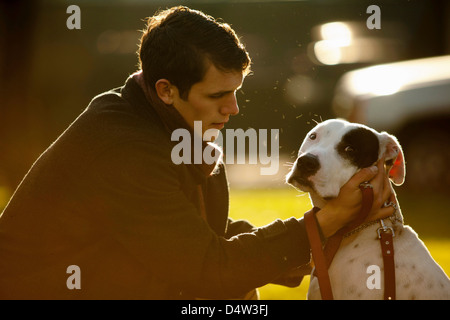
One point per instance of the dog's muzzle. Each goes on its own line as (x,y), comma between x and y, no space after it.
(305,166)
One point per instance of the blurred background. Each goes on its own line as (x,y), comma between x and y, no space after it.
(312,60)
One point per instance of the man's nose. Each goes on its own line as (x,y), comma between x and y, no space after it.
(230,107)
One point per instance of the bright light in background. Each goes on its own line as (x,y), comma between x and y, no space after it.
(379,80)
(338,33)
(403,90)
(327,52)
(390,78)
(335,35)
(349,42)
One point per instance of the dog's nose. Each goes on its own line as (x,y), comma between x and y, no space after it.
(308,164)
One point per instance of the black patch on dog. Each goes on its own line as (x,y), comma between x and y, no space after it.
(359,146)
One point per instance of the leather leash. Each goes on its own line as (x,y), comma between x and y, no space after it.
(323,257)
(320,262)
(386,234)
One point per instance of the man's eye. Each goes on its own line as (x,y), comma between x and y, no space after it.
(216,95)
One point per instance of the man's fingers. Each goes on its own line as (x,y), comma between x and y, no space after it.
(381,184)
(392,196)
(381,213)
(365,174)
(388,192)
(377,181)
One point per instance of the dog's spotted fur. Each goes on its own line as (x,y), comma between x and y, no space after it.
(341,149)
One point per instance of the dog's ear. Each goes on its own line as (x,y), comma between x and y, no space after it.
(395,159)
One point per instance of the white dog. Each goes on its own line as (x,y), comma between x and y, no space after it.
(330,155)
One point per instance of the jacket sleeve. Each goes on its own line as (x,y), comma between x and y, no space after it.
(235,227)
(140,191)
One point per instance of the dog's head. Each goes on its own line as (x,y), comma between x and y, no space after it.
(335,150)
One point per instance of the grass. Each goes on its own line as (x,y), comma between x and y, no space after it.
(428,215)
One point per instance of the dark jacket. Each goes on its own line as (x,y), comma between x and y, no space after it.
(106,197)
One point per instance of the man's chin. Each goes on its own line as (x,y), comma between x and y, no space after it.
(211,134)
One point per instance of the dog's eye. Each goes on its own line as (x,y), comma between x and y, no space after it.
(349,149)
(313,136)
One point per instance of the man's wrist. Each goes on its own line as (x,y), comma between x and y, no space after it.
(322,236)
(328,222)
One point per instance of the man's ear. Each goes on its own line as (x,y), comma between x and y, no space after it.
(164,90)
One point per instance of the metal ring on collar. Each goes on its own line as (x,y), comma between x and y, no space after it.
(390,204)
(366,185)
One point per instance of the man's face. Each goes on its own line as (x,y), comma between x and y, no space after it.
(212,100)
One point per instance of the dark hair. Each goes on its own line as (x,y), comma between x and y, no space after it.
(178,42)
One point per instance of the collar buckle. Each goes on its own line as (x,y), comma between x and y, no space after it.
(384,228)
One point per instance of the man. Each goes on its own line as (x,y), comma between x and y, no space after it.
(107,198)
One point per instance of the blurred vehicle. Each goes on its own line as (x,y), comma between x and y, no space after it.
(410,99)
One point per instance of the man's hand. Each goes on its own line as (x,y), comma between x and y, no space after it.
(342,210)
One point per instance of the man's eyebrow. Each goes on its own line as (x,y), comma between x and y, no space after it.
(223,92)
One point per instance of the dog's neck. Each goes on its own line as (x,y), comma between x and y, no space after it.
(319,202)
